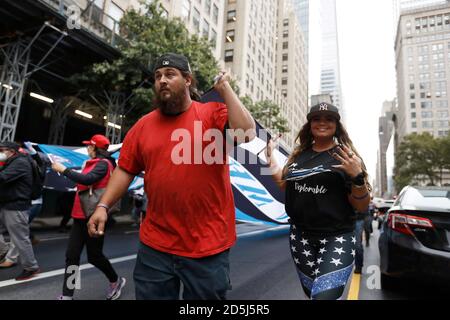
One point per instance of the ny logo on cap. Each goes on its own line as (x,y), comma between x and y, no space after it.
(323,107)
(166,62)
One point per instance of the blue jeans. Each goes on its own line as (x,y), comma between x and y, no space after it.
(359,258)
(158,276)
(34,211)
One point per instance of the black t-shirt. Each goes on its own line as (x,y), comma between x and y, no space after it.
(317,194)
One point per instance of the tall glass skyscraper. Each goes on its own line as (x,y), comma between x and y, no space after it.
(301,8)
(330,78)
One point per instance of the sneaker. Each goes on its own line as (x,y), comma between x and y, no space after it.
(27,274)
(115,289)
(7,264)
(62,297)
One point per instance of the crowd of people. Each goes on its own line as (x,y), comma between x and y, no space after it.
(192,224)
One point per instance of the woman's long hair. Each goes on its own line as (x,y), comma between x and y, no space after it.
(102,153)
(305,141)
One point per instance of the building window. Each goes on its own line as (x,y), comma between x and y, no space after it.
(229,55)
(115,13)
(442,114)
(413,115)
(426,105)
(215,14)
(285,34)
(284,92)
(413,105)
(442,104)
(213,38)
(284,81)
(427,124)
(286,22)
(230,36)
(284,69)
(196,20)
(442,124)
(427,114)
(207,6)
(285,45)
(186,10)
(205,29)
(285,57)
(231,16)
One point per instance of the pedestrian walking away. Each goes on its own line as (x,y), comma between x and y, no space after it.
(189,226)
(16,182)
(325,181)
(94,177)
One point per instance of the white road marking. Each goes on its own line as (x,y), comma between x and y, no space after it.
(87,266)
(59,272)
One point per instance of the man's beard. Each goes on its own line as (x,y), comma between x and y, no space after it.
(172,106)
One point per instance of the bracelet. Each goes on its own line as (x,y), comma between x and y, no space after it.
(102,205)
(360,198)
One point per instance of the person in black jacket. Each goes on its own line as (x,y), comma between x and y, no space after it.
(94,175)
(16,179)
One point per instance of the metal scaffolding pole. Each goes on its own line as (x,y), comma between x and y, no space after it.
(12,80)
(114,116)
(13,77)
(60,110)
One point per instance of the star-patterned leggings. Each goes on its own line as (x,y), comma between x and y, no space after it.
(324,264)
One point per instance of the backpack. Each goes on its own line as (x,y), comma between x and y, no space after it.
(38,174)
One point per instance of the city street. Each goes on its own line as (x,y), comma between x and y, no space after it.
(261,269)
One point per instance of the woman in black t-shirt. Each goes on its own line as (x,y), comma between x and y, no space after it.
(325,182)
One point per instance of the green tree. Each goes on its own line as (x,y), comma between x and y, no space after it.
(146,36)
(267,113)
(443,156)
(418,157)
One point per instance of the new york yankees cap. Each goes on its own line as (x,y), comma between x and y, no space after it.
(324,109)
(172,60)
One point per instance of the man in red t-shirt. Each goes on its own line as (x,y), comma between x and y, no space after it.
(190,222)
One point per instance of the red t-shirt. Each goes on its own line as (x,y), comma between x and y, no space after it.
(190,209)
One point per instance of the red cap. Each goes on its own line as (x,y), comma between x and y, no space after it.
(99,140)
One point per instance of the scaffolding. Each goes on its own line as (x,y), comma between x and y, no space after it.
(114,116)
(13,78)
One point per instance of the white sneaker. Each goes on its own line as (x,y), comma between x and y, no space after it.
(115,289)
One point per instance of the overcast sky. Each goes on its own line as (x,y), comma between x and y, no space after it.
(366,43)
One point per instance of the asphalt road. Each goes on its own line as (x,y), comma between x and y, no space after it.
(261,269)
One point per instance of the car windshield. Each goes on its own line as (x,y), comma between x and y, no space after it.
(434,193)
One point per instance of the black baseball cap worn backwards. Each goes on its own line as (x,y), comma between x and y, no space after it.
(173,60)
(324,109)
